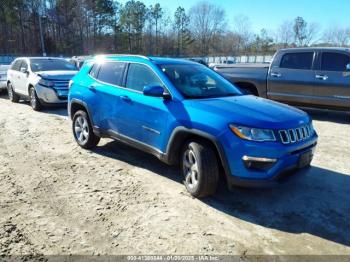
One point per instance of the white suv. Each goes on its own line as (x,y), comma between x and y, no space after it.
(42,80)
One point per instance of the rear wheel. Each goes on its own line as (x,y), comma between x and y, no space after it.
(13,97)
(83,132)
(34,101)
(200,169)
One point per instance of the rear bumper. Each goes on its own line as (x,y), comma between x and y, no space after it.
(3,84)
(49,96)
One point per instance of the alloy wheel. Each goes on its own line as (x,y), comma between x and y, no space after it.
(190,168)
(81,129)
(10,92)
(33,101)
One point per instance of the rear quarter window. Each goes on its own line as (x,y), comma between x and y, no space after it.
(111,72)
(301,60)
(94,70)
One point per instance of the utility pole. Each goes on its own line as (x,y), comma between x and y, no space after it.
(41,34)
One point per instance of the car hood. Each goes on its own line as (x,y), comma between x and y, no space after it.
(57,75)
(249,111)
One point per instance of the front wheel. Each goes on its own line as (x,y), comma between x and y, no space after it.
(200,169)
(34,101)
(83,132)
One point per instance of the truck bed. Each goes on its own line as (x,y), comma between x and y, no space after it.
(244,74)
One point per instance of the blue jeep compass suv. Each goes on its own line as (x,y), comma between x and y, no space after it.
(184,113)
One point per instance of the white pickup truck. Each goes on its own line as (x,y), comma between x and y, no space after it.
(42,80)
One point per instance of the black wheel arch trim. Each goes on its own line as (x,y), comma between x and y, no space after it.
(172,142)
(81,103)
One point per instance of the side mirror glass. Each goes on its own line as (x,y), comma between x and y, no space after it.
(154,90)
(24,70)
(347,67)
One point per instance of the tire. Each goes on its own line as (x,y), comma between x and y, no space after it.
(33,100)
(83,132)
(13,97)
(200,167)
(249,91)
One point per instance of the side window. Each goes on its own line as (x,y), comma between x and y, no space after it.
(24,65)
(140,76)
(16,65)
(111,73)
(94,70)
(297,60)
(334,62)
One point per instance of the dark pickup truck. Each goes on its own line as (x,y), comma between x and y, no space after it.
(315,77)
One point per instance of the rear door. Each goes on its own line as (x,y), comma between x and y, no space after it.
(292,78)
(103,95)
(333,80)
(22,78)
(14,74)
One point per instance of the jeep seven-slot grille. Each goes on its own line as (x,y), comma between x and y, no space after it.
(296,134)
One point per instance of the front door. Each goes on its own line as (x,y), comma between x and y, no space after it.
(293,79)
(142,118)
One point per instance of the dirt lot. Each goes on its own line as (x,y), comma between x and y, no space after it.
(56,198)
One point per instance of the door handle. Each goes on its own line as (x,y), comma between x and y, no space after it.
(125,99)
(322,77)
(92,88)
(276,74)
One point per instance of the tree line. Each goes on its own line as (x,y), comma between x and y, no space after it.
(80,27)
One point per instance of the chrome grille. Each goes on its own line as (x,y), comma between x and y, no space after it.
(61,84)
(294,135)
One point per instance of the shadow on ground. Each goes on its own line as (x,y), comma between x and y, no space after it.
(316,201)
(54,110)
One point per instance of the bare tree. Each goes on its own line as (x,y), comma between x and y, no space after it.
(312,34)
(304,33)
(285,33)
(207,20)
(242,28)
(337,36)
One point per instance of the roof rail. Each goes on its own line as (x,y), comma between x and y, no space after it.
(122,55)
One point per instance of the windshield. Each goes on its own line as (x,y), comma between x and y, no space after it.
(51,65)
(198,81)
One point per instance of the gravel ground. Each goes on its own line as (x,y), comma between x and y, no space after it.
(56,198)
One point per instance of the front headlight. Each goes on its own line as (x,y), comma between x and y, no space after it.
(46,83)
(70,84)
(253,134)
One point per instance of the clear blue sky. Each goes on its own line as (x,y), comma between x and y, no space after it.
(270,13)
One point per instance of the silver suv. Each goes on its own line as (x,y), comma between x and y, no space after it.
(42,80)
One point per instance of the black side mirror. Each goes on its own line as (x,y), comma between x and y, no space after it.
(155,91)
